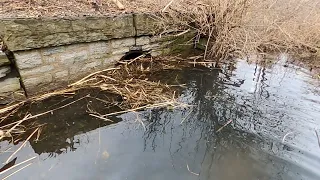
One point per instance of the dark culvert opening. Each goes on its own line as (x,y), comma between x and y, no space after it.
(133,54)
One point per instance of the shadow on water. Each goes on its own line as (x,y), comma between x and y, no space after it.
(273,111)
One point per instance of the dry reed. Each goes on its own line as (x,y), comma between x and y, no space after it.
(129,80)
(245,27)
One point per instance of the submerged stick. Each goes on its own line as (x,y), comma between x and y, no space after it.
(24,143)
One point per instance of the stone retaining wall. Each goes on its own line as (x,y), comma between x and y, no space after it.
(50,53)
(10,88)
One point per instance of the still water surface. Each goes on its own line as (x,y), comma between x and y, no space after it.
(274,113)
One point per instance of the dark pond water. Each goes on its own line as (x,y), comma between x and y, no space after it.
(274,111)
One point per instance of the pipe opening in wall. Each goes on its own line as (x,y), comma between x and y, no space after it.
(133,54)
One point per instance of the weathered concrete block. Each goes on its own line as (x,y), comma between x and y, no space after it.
(82,69)
(142,40)
(119,51)
(32,84)
(150,47)
(3,59)
(71,58)
(53,50)
(36,71)
(31,33)
(4,71)
(76,47)
(89,66)
(99,48)
(117,43)
(61,75)
(51,59)
(111,60)
(9,85)
(28,59)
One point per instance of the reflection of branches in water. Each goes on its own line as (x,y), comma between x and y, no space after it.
(216,100)
(209,95)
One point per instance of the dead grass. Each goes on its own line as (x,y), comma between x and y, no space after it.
(244,27)
(129,80)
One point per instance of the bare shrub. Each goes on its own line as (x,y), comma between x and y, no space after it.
(242,27)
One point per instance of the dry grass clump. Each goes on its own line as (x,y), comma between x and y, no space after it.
(243,27)
(129,80)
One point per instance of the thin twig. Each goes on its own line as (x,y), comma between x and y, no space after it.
(317,137)
(16,171)
(284,137)
(17,165)
(139,119)
(186,116)
(191,171)
(22,145)
(52,110)
(224,125)
(164,9)
(101,117)
(92,74)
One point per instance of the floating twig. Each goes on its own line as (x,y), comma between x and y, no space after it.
(284,137)
(191,171)
(24,143)
(224,126)
(17,165)
(16,171)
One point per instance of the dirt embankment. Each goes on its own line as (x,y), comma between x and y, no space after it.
(67,8)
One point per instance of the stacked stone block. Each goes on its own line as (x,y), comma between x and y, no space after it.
(9,85)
